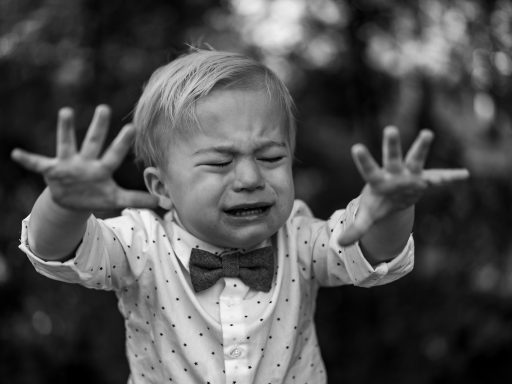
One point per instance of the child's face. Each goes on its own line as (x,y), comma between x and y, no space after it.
(231,184)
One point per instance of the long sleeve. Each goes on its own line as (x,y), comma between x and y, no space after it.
(323,259)
(112,253)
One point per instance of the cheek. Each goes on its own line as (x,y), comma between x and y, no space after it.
(282,182)
(202,191)
(282,185)
(197,210)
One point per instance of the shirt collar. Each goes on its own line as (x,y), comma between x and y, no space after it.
(183,241)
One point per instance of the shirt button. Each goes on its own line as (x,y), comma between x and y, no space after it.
(235,353)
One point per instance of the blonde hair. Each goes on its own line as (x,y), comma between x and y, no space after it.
(167,104)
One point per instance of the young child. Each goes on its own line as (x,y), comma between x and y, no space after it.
(223,288)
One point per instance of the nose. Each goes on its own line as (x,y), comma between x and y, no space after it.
(248,176)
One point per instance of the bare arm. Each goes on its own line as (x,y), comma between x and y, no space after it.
(54,232)
(78,183)
(385,216)
(388,236)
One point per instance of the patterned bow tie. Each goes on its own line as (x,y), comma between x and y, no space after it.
(254,268)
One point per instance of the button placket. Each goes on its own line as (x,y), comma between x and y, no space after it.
(233,329)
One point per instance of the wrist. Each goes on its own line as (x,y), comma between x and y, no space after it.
(404,216)
(55,208)
(388,236)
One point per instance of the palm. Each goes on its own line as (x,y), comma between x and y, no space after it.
(81,184)
(82,180)
(398,184)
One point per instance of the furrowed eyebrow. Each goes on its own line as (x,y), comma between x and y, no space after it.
(272,144)
(230,149)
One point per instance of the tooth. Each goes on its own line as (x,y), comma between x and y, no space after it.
(248,212)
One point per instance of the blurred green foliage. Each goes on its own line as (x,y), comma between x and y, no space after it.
(353,67)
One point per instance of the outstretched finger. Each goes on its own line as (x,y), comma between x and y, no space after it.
(417,154)
(66,141)
(117,151)
(365,163)
(31,161)
(391,149)
(136,199)
(437,177)
(355,231)
(96,133)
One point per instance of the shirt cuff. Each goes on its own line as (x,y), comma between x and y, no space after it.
(360,271)
(364,274)
(58,270)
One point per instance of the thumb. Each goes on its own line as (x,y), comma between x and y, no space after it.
(437,177)
(32,161)
(136,199)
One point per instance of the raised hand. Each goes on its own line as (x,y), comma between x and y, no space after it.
(395,186)
(82,180)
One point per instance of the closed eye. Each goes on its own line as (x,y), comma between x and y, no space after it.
(219,165)
(273,159)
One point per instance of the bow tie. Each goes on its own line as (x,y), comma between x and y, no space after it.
(254,268)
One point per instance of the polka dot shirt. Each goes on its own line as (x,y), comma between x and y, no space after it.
(228,333)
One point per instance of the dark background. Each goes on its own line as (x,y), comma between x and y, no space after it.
(353,67)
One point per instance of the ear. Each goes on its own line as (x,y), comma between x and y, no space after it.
(156,186)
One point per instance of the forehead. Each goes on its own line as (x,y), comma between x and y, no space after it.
(239,116)
(238,104)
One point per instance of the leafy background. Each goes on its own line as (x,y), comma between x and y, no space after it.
(353,67)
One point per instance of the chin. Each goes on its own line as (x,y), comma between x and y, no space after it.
(252,240)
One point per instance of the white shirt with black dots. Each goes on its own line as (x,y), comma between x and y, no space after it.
(228,333)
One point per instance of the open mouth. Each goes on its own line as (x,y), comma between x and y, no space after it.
(248,211)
